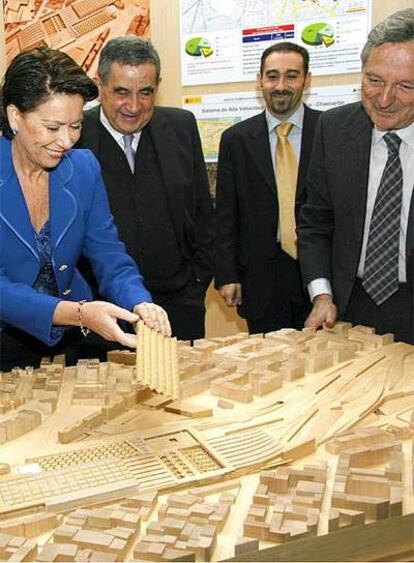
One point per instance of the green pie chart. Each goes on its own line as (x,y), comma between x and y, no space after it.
(318,34)
(197,47)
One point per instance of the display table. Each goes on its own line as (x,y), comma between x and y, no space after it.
(296,446)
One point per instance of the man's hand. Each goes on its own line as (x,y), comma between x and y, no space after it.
(231,293)
(324,311)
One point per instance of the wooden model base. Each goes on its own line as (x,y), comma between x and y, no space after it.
(295,446)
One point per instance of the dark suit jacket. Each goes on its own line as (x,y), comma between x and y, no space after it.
(180,167)
(332,221)
(247,209)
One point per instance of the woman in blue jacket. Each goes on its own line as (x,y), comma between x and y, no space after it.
(53,209)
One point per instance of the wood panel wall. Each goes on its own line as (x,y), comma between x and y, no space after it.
(2,47)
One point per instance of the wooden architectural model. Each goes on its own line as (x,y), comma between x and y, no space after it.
(157,361)
(293,445)
(79,27)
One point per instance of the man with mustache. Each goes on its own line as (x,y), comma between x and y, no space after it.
(156,179)
(356,234)
(262,168)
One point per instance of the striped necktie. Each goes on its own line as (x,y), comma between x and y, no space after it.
(380,279)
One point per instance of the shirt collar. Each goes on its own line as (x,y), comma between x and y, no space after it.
(296,118)
(115,134)
(406,134)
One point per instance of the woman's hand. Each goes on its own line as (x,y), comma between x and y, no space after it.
(100,317)
(154,316)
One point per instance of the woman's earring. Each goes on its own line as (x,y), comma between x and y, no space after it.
(14,131)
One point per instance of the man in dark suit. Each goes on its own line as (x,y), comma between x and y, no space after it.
(356,230)
(254,269)
(155,175)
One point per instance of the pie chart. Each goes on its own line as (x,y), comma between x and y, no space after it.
(318,34)
(198,47)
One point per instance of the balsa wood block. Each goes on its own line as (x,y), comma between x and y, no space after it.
(26,552)
(65,533)
(175,375)
(183,500)
(185,408)
(4,468)
(98,556)
(172,554)
(214,488)
(31,525)
(222,404)
(57,552)
(199,383)
(266,382)
(244,545)
(298,451)
(124,357)
(113,410)
(157,401)
(148,500)
(71,433)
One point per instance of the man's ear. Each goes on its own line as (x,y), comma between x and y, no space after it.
(98,83)
(259,82)
(308,81)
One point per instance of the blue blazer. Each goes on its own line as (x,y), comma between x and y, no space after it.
(81,224)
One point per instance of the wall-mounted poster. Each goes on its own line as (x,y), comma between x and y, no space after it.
(78,27)
(217,112)
(222,40)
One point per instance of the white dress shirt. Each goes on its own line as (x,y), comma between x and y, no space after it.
(116,134)
(378,159)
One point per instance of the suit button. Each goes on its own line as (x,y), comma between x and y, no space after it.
(66,291)
(63,267)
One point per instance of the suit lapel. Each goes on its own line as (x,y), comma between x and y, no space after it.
(13,209)
(356,159)
(95,136)
(257,145)
(114,166)
(62,202)
(13,206)
(409,247)
(410,228)
(15,214)
(90,133)
(309,121)
(165,145)
(409,265)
